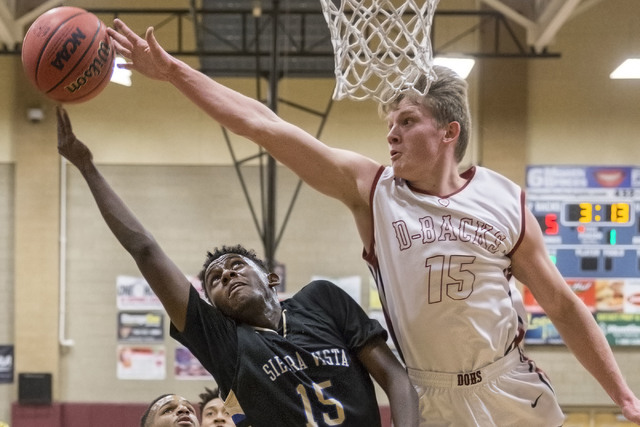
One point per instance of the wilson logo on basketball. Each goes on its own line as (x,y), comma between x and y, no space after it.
(94,69)
(68,48)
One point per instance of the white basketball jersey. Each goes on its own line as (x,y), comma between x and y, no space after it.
(443,270)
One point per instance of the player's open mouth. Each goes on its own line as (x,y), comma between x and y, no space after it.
(233,287)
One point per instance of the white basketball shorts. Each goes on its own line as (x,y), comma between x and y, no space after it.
(509,392)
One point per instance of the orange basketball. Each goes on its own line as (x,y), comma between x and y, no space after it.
(68,55)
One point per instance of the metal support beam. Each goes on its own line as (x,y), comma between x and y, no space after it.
(269,237)
(554,16)
(9,34)
(510,13)
(541,31)
(228,46)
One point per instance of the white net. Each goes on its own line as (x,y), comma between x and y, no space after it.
(380,49)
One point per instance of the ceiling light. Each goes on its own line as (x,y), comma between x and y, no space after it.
(629,69)
(121,76)
(462,66)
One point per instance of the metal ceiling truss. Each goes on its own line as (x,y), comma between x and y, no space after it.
(237,41)
(551,16)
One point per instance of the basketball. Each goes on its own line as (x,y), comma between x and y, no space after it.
(67,54)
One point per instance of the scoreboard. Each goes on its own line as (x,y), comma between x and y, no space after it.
(590,219)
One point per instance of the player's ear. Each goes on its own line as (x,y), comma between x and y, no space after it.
(274,280)
(452,131)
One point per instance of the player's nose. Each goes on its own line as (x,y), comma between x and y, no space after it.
(392,136)
(227,275)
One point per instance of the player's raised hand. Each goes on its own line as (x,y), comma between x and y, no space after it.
(69,146)
(145,55)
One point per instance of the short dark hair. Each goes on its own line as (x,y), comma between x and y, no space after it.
(143,420)
(224,250)
(207,397)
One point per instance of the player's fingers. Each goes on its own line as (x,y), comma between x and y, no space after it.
(63,118)
(64,126)
(59,117)
(151,39)
(127,66)
(121,49)
(156,50)
(66,122)
(122,28)
(117,37)
(122,45)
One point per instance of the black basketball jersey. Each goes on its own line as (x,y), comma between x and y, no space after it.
(304,374)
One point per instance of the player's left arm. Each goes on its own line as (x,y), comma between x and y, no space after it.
(387,371)
(532,266)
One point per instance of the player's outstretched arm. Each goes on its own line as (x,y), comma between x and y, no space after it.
(344,175)
(167,281)
(387,371)
(571,317)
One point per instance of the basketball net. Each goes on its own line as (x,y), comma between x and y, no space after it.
(380,49)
